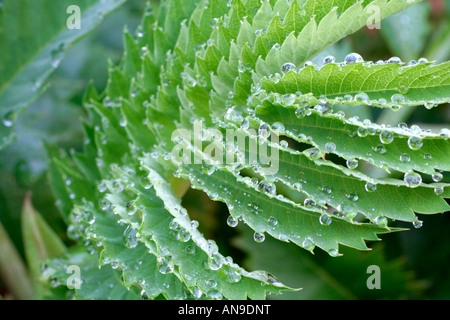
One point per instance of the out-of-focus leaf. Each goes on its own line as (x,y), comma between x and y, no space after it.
(12,269)
(53,119)
(428,254)
(40,241)
(438,47)
(24,163)
(35,37)
(407,32)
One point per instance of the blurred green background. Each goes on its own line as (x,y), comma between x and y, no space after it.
(413,264)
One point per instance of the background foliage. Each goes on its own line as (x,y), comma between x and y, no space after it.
(413,263)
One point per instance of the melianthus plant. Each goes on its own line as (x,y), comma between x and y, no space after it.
(242,66)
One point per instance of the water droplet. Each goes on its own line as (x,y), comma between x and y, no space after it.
(415,143)
(363,132)
(330,147)
(165,266)
(348,212)
(268,188)
(123,122)
(437,177)
(211,283)
(405,158)
(422,60)
(129,237)
(144,295)
(145,183)
(325,220)
(397,98)
(288,99)
(232,276)
(197,293)
(326,189)
(333,252)
(214,23)
(412,179)
(300,113)
(57,55)
(381,149)
(386,137)
(329,59)
(245,124)
(259,237)
(104,204)
(54,282)
(278,127)
(131,207)
(9,119)
(438,191)
(353,58)
(308,244)
(183,235)
(194,224)
(232,222)
(309,203)
(264,131)
(429,105)
(370,187)
(403,89)
(118,186)
(209,170)
(313,153)
(352,164)
(214,295)
(288,67)
(418,224)
(215,262)
(190,249)
(272,221)
(102,187)
(259,33)
(353,196)
(394,60)
(362,97)
(380,221)
(415,129)
(444,132)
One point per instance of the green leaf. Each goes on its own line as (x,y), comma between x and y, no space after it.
(40,242)
(225,67)
(280,217)
(97,283)
(354,139)
(381,85)
(322,25)
(36,38)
